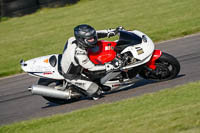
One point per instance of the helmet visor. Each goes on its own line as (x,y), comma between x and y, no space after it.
(91,42)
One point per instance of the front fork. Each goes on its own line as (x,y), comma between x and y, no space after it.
(156,54)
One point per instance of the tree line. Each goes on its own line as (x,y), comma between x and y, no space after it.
(13,8)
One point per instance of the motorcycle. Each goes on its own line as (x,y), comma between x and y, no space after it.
(136,52)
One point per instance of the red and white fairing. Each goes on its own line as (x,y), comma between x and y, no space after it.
(144,52)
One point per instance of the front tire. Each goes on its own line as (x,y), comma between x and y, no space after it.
(167,67)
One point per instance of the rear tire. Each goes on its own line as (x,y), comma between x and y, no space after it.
(167,67)
(52,83)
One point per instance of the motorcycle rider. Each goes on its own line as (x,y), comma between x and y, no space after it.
(75,58)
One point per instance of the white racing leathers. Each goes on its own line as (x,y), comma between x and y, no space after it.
(73,61)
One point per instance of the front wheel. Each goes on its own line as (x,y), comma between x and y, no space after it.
(167,67)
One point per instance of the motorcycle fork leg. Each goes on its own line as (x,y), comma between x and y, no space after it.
(156,54)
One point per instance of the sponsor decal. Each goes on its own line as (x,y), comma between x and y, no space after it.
(107,48)
(139,50)
(47,73)
(116,85)
(46,60)
(80,53)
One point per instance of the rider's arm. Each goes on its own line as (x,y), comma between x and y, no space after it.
(105,33)
(109,32)
(82,59)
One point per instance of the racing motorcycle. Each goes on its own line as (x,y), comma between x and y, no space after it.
(136,52)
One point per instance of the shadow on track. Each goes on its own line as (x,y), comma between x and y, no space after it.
(140,83)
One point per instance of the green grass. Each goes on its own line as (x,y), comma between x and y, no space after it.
(46,31)
(175,110)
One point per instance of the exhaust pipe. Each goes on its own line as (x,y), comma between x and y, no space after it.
(49,92)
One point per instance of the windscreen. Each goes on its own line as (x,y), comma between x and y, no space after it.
(129,38)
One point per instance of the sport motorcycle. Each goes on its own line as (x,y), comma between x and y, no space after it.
(135,52)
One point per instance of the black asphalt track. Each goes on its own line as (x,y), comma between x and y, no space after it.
(17,103)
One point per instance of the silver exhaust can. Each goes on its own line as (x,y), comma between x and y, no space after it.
(49,92)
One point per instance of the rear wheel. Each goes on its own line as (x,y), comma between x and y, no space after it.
(167,67)
(53,83)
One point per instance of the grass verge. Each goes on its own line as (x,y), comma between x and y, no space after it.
(168,111)
(46,31)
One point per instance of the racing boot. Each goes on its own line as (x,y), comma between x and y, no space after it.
(105,88)
(97,95)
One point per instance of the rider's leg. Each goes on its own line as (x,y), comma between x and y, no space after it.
(92,89)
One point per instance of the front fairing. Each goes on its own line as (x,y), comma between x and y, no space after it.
(142,52)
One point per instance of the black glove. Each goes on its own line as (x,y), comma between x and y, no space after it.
(118,29)
(115,64)
(111,33)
